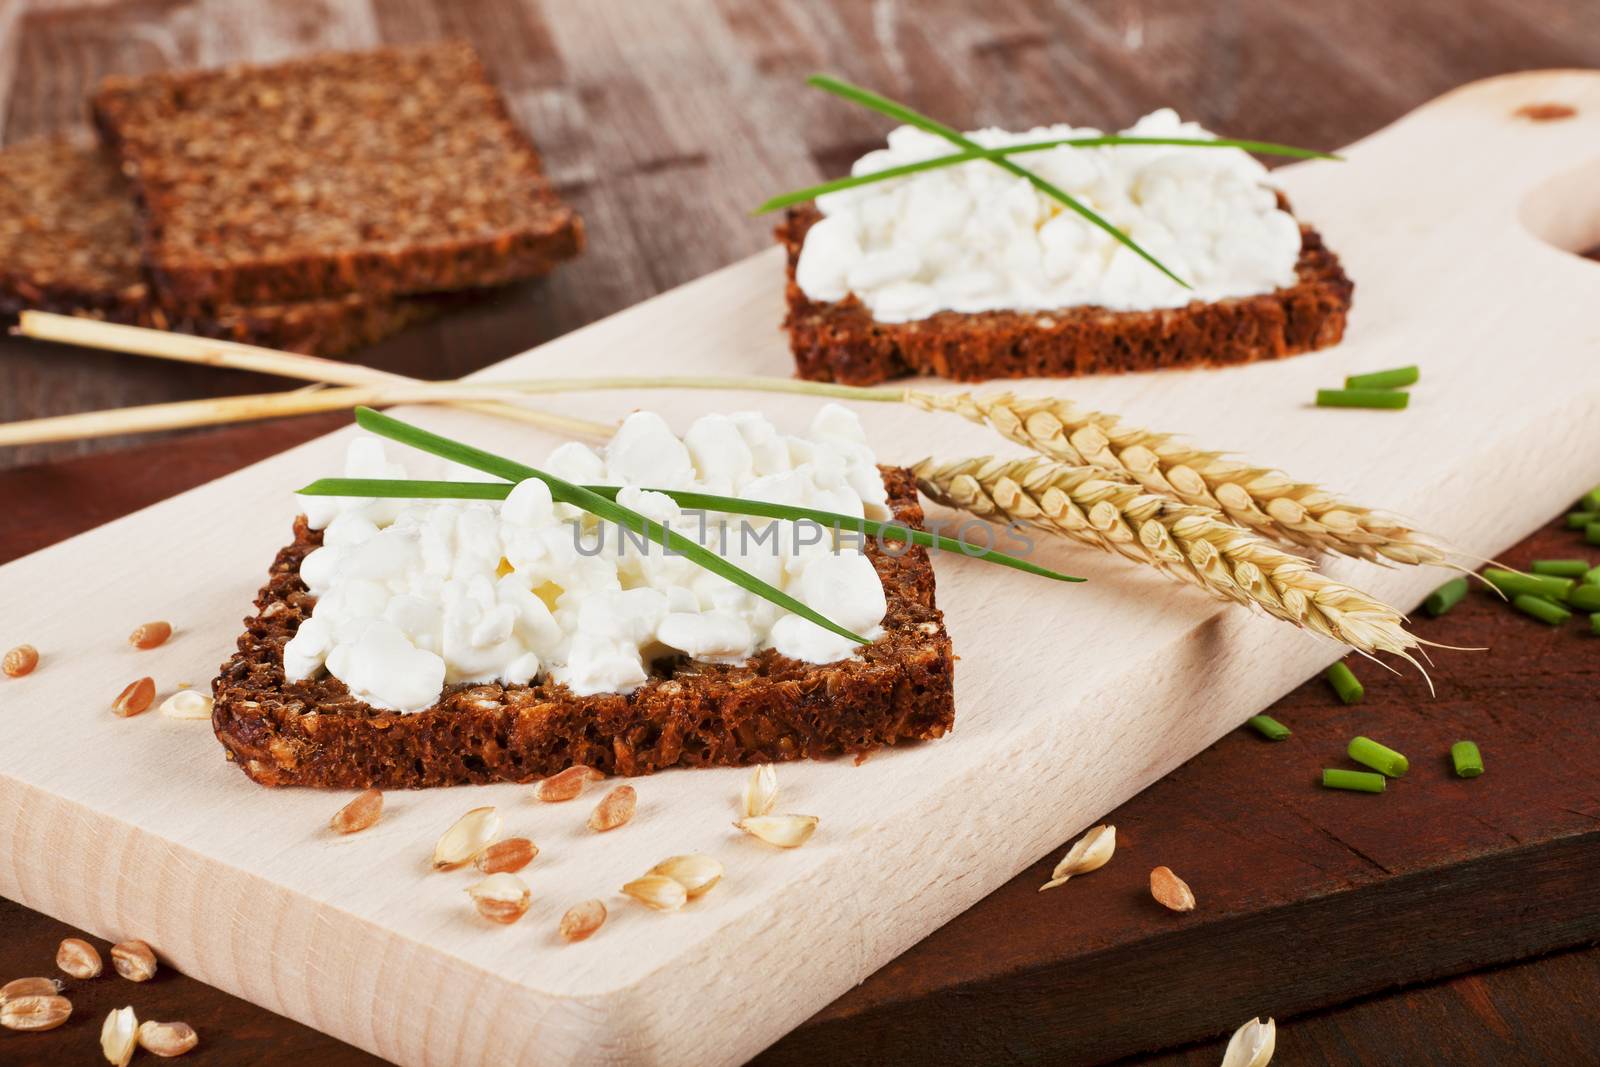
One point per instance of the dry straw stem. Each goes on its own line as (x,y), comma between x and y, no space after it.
(1257,498)
(1187,542)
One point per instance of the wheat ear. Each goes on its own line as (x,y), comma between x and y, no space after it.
(1257,498)
(1188,542)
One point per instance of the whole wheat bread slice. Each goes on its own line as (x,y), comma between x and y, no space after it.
(688,714)
(69,244)
(391,171)
(842,342)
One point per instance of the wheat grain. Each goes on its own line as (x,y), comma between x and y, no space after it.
(1190,543)
(1257,498)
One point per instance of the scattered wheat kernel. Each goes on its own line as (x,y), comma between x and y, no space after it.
(1089,853)
(167,1039)
(20,660)
(150,635)
(695,872)
(581,920)
(1252,1045)
(501,898)
(614,809)
(359,814)
(187,704)
(1171,891)
(79,958)
(18,988)
(133,960)
(35,1013)
(135,698)
(471,834)
(785,831)
(761,790)
(503,857)
(568,784)
(119,1036)
(657,891)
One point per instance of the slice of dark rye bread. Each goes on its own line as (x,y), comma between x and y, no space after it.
(392,171)
(69,244)
(841,342)
(690,714)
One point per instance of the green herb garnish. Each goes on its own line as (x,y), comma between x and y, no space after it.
(1391,399)
(1466,758)
(1345,683)
(1445,597)
(1561,568)
(1397,378)
(566,492)
(1577,520)
(1513,583)
(800,196)
(1268,727)
(1381,758)
(1545,610)
(423,489)
(895,110)
(1357,781)
(1585,597)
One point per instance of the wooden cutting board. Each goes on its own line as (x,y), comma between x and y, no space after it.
(1455,223)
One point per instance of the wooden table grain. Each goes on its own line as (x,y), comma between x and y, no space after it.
(664,121)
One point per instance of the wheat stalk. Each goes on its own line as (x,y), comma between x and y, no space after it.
(1258,498)
(1185,541)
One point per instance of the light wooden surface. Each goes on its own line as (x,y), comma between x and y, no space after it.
(1069,700)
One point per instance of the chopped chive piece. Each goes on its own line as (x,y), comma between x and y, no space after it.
(1546,611)
(1359,781)
(1268,727)
(1445,597)
(1467,759)
(1585,598)
(1591,533)
(1561,568)
(1345,683)
(1362,398)
(1594,624)
(1577,520)
(1590,501)
(1592,577)
(1384,379)
(1514,583)
(1381,758)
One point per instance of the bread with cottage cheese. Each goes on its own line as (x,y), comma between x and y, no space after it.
(840,341)
(688,714)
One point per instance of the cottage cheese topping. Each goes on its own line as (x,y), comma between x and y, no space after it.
(973,238)
(414,596)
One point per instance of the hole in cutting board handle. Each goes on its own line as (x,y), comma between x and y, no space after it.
(1565,211)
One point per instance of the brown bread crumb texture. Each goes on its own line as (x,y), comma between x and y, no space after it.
(841,342)
(391,171)
(691,714)
(69,244)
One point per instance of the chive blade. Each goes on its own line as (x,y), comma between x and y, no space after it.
(1590,500)
(598,506)
(1268,727)
(1345,683)
(1386,399)
(1560,568)
(1356,781)
(1398,378)
(1466,759)
(1514,583)
(1381,758)
(1546,611)
(1577,520)
(1445,597)
(444,490)
(1585,597)
(800,196)
(885,106)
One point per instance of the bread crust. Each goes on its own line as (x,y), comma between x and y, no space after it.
(392,171)
(314,733)
(69,244)
(842,342)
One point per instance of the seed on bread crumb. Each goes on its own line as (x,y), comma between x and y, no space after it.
(150,635)
(136,698)
(20,660)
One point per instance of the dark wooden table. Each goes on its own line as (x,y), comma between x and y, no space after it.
(664,123)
